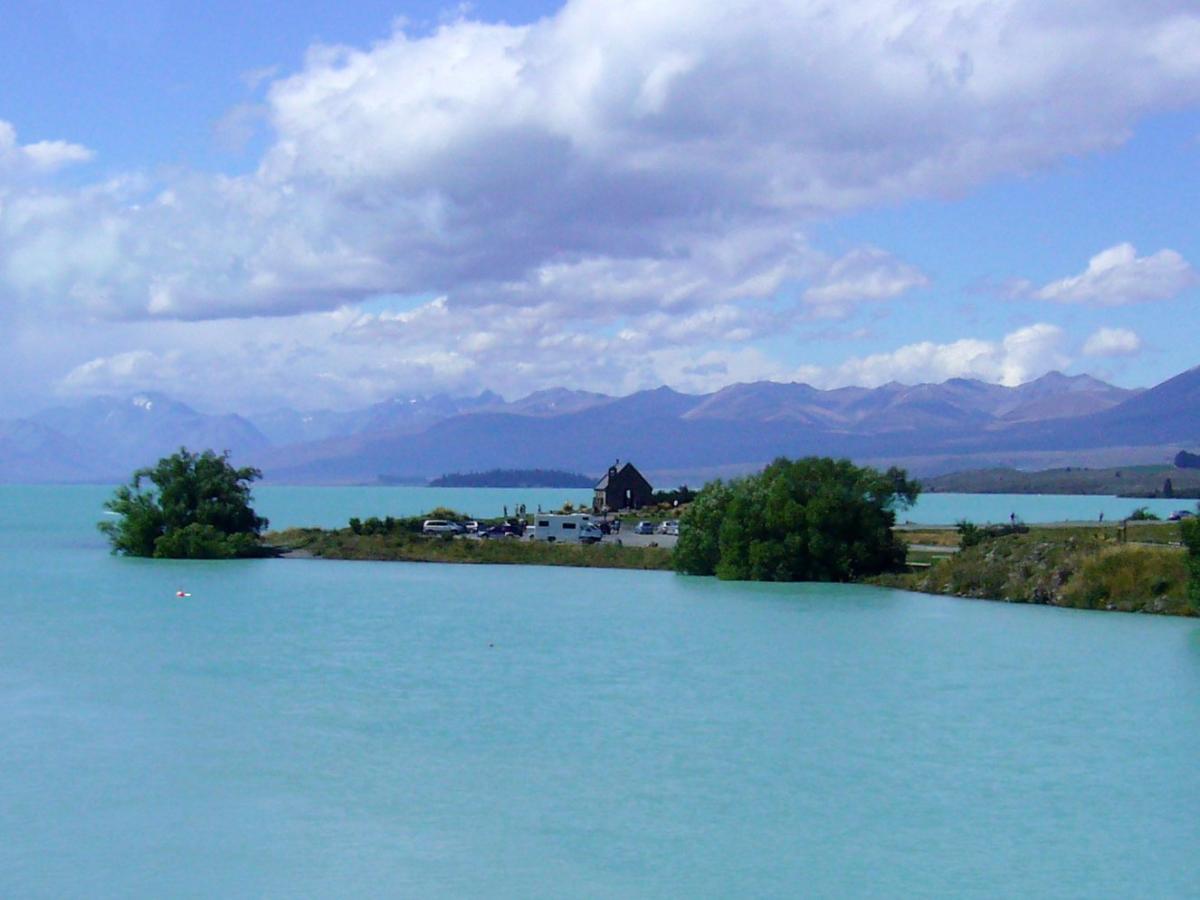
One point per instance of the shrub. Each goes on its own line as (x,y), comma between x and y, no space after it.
(1130,579)
(969,534)
(972,535)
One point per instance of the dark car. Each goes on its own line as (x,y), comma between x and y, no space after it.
(644,527)
(508,529)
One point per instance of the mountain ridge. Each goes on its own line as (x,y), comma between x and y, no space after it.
(740,426)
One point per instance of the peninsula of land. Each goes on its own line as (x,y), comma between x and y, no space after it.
(1140,567)
(402,545)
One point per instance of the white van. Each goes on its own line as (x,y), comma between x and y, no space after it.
(578,529)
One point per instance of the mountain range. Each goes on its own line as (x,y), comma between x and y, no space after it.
(930,428)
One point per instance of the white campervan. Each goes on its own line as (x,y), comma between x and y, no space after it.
(578,528)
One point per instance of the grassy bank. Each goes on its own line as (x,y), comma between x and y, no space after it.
(398,546)
(1080,568)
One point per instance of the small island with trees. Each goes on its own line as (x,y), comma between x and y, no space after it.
(514,478)
(188,506)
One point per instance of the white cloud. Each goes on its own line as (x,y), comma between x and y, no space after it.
(1018,357)
(346,358)
(132,368)
(617,192)
(238,126)
(38,158)
(1118,276)
(620,142)
(1112,342)
(864,274)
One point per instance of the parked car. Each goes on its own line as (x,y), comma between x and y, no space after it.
(471,527)
(644,527)
(1180,514)
(502,531)
(669,527)
(440,526)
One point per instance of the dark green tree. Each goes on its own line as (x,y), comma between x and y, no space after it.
(813,519)
(1185,460)
(698,550)
(1190,530)
(188,506)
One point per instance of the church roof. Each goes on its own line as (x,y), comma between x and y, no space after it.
(613,471)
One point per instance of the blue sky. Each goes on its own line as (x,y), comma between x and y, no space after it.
(325,205)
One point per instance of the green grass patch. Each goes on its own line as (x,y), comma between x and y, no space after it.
(1130,579)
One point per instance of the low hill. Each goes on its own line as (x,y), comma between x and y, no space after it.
(1128,481)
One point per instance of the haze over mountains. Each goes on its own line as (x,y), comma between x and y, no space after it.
(931,428)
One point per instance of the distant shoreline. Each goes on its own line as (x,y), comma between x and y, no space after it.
(1164,482)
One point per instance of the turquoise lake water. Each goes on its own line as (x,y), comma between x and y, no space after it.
(325,729)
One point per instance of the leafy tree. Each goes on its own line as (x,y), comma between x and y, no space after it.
(813,519)
(1190,530)
(189,505)
(698,550)
(1185,460)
